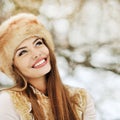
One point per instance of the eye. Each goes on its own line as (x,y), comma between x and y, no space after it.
(22,52)
(38,42)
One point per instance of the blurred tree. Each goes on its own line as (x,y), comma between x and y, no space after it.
(31,6)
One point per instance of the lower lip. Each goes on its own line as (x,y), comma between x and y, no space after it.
(41,65)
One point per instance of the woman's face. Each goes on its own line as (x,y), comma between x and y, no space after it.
(32,58)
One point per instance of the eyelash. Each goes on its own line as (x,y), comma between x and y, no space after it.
(39,42)
(22,52)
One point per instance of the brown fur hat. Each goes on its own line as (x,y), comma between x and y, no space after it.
(13,31)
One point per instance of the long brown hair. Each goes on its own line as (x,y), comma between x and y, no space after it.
(57,93)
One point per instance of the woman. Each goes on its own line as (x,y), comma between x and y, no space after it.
(27,57)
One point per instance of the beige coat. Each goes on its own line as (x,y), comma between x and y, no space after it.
(14,106)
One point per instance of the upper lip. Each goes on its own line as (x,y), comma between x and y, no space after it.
(37,61)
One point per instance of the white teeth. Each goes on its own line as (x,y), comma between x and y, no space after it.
(39,63)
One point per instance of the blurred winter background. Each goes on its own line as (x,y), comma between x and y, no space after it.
(87,39)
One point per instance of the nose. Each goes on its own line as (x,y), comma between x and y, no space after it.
(35,54)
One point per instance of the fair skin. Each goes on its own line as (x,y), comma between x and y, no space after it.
(33,61)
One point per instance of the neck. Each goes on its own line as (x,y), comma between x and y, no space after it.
(39,83)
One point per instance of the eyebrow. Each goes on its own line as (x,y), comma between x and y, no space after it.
(20,49)
(36,39)
(26,47)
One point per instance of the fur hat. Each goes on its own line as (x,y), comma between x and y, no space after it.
(12,32)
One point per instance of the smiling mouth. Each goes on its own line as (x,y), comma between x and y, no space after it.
(40,63)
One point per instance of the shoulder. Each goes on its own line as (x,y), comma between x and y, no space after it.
(7,110)
(90,112)
(82,102)
(21,104)
(5,98)
(76,90)
(78,96)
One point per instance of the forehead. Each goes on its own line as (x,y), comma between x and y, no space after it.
(27,41)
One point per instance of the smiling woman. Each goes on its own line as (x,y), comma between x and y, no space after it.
(27,57)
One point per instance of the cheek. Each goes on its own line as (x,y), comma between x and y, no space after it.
(20,64)
(46,50)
